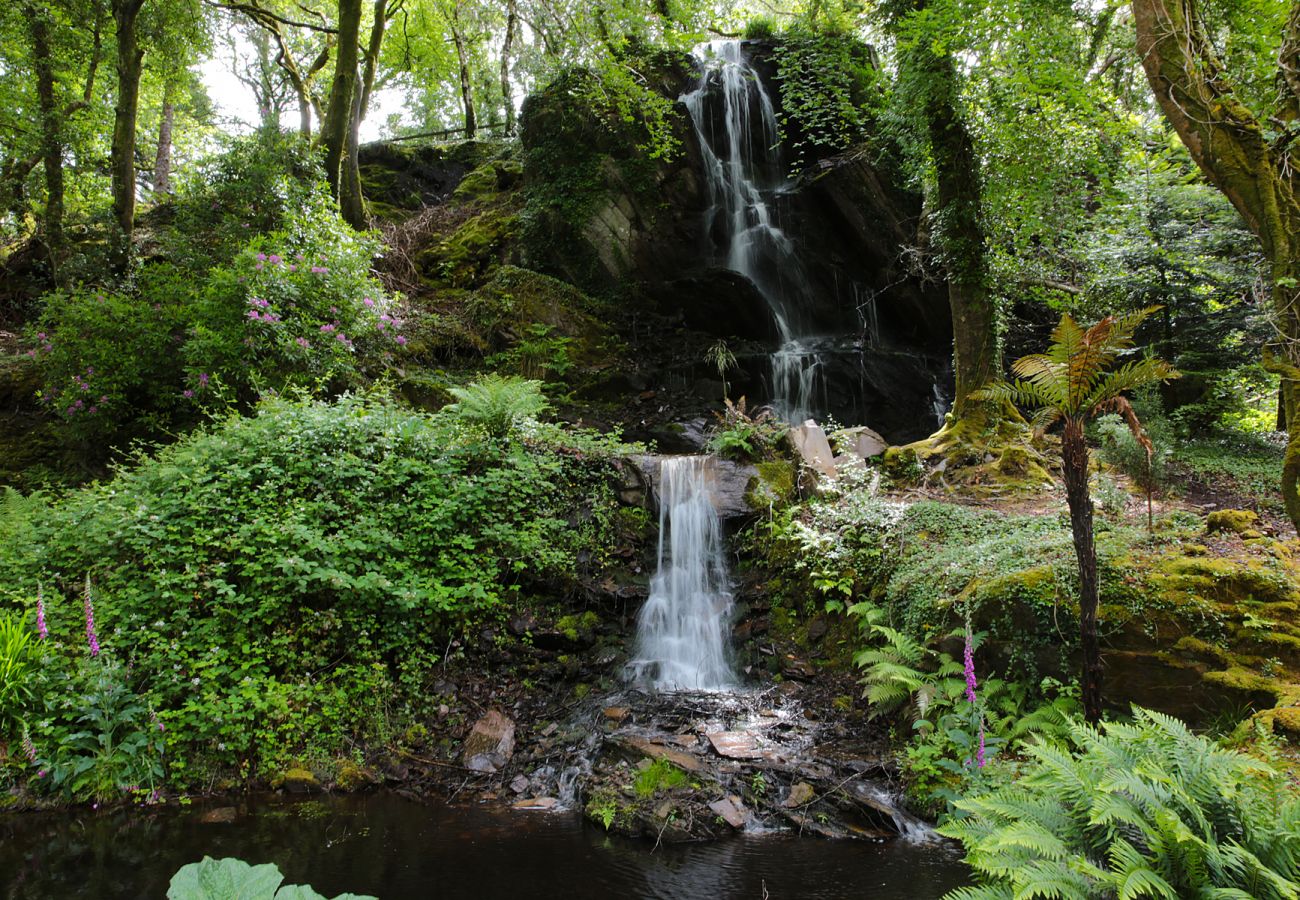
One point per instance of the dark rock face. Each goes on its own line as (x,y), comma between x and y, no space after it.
(887,332)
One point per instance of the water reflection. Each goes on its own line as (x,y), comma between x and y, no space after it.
(392,848)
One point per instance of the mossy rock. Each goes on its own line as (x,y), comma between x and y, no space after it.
(773,486)
(352,777)
(1286,722)
(298,780)
(400,177)
(473,250)
(902,465)
(1233,521)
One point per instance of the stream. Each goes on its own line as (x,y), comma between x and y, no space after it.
(384,845)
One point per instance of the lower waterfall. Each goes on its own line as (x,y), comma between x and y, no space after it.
(682,629)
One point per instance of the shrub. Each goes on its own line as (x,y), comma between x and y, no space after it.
(281,582)
(17,664)
(297,307)
(498,404)
(1146,809)
(760,28)
(741,436)
(1122,450)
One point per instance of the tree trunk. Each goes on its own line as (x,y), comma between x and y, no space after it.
(338,117)
(507,44)
(1074,456)
(51,141)
(129,63)
(466,87)
(976,352)
(351,203)
(1232,148)
(162,164)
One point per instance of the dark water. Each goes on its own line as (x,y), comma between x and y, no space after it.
(391,848)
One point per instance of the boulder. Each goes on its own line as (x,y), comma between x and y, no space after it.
(732,809)
(814,448)
(861,441)
(801,794)
(493,735)
(728,482)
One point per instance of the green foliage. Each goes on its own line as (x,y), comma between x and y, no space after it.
(831,92)
(498,404)
(741,436)
(281,582)
(1146,809)
(95,736)
(109,360)
(660,775)
(234,879)
(253,186)
(1122,450)
(1244,463)
(18,661)
(760,28)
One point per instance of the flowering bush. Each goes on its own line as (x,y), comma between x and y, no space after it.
(296,307)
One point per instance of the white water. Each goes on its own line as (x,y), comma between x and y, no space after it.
(742,167)
(682,628)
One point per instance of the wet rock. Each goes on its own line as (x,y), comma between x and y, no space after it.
(494,733)
(800,794)
(728,482)
(645,747)
(222,815)
(520,784)
(615,713)
(817,628)
(536,803)
(740,745)
(732,810)
(814,448)
(486,763)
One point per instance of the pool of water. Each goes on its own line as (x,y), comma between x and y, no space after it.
(392,848)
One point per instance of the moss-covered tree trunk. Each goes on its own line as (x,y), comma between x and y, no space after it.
(1258,175)
(130,60)
(1074,457)
(38,21)
(932,76)
(507,46)
(162,161)
(466,84)
(338,115)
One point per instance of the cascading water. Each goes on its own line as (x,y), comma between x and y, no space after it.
(681,629)
(735,121)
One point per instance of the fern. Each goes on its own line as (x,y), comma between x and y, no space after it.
(499,405)
(1141,810)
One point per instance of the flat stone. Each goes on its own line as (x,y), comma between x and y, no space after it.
(679,758)
(800,794)
(493,733)
(519,785)
(664,810)
(732,809)
(616,713)
(536,803)
(739,745)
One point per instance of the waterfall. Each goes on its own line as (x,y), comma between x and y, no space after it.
(742,167)
(681,629)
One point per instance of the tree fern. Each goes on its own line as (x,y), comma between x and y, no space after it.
(497,404)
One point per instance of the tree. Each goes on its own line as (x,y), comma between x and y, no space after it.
(130,59)
(1250,154)
(338,116)
(1073,382)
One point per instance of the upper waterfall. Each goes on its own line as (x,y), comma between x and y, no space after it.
(682,629)
(735,121)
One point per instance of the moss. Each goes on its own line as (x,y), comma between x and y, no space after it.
(576,626)
(661,775)
(470,253)
(1233,521)
(1286,722)
(774,485)
(902,465)
(352,777)
(1246,682)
